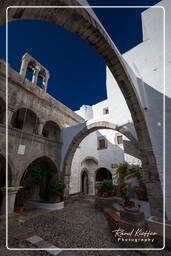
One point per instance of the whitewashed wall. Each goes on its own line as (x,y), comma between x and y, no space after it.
(146,61)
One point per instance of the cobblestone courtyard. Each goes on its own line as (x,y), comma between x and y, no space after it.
(79,224)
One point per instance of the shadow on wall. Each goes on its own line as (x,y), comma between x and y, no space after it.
(153,101)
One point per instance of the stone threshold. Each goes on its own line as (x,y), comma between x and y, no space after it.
(39,242)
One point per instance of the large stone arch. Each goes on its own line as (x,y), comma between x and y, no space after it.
(85,132)
(32,159)
(81,22)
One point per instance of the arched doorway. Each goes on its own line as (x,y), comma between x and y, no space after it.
(25,119)
(36,178)
(84,182)
(103,174)
(51,130)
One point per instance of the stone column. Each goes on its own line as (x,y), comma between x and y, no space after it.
(10,114)
(66,191)
(40,127)
(12,191)
(4,117)
(154,191)
(24,65)
(45,81)
(92,182)
(35,76)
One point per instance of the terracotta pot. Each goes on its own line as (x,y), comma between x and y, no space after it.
(99,194)
(141,193)
(19,209)
(129,204)
(105,194)
(54,199)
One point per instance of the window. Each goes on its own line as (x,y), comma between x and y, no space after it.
(105,111)
(119,139)
(102,143)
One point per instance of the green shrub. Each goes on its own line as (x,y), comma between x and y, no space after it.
(99,186)
(56,187)
(104,186)
(38,171)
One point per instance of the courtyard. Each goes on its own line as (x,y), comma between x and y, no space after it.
(78,225)
(84,168)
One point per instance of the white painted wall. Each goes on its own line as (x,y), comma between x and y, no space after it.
(145,64)
(146,60)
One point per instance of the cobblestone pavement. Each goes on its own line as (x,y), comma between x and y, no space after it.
(78,225)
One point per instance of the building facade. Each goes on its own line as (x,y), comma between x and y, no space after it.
(134,83)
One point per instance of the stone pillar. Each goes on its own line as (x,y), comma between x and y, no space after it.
(10,114)
(4,117)
(66,191)
(24,65)
(154,191)
(45,81)
(92,182)
(35,76)
(12,191)
(40,127)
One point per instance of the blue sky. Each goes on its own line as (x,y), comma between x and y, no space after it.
(77,71)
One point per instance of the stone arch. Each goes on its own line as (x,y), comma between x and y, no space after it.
(11,168)
(86,131)
(25,119)
(34,158)
(89,158)
(81,22)
(36,177)
(102,174)
(52,130)
(3,177)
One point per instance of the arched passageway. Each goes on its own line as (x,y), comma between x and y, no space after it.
(3,183)
(85,132)
(84,182)
(2,177)
(36,178)
(103,174)
(81,22)
(2,110)
(25,119)
(51,130)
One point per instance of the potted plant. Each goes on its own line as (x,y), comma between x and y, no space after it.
(107,188)
(19,203)
(55,189)
(99,188)
(141,192)
(104,188)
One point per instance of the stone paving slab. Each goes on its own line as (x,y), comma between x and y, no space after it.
(34,239)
